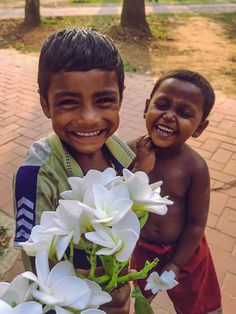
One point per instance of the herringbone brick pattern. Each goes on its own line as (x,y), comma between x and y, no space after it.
(22,122)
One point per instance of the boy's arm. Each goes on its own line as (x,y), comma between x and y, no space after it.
(145,154)
(197,204)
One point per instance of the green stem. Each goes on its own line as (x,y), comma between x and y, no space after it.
(115,272)
(71,251)
(52,251)
(93,262)
(102,280)
(138,274)
(65,257)
(85,245)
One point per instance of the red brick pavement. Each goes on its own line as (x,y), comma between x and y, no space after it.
(22,122)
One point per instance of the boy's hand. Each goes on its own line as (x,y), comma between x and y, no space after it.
(145,155)
(120,303)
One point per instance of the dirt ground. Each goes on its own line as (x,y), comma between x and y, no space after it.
(196,43)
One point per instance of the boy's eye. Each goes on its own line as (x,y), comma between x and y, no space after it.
(186,114)
(162,105)
(67,102)
(105,101)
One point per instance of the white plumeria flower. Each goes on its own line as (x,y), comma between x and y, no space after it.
(81,185)
(98,296)
(23,308)
(65,226)
(38,241)
(16,292)
(60,286)
(119,240)
(164,282)
(110,206)
(145,197)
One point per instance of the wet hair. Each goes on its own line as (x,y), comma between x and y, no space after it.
(78,49)
(195,79)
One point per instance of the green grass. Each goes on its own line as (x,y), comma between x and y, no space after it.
(228,22)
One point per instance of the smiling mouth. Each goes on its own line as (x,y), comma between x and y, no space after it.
(88,134)
(164,130)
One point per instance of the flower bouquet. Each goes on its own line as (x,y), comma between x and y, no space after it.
(102,215)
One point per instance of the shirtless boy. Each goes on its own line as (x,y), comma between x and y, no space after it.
(177,110)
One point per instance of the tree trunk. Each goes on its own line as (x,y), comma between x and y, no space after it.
(32,12)
(133,15)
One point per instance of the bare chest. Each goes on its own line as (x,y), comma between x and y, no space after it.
(176,177)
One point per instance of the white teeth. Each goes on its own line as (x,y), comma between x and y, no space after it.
(95,133)
(165,129)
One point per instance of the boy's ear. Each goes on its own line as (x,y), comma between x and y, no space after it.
(200,128)
(45,107)
(146,107)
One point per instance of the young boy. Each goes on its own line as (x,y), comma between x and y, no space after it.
(81,83)
(177,109)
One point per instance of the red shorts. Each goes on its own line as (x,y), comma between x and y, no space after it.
(198,291)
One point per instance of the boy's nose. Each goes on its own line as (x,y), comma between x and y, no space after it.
(169,116)
(88,116)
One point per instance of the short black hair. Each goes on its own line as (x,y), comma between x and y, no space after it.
(194,78)
(78,49)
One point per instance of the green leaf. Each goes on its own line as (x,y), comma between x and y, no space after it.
(141,304)
(143,219)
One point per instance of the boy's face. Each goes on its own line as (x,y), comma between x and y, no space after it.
(175,113)
(84,108)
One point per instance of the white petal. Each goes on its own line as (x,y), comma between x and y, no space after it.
(96,238)
(98,296)
(72,207)
(122,207)
(103,231)
(130,221)
(16,291)
(42,267)
(60,270)
(106,251)
(152,206)
(109,173)
(67,195)
(77,292)
(75,182)
(116,193)
(62,244)
(46,298)
(5,308)
(3,287)
(47,218)
(138,188)
(93,311)
(156,185)
(129,240)
(60,310)
(99,192)
(28,307)
(31,276)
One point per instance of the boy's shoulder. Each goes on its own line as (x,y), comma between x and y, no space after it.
(193,160)
(37,153)
(40,150)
